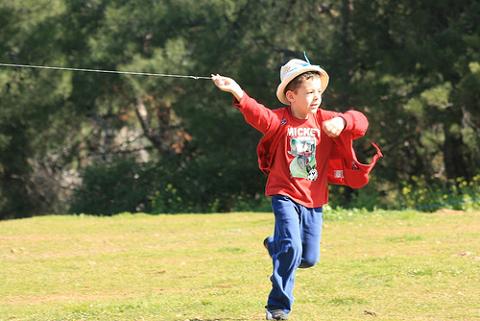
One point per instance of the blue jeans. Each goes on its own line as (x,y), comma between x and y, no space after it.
(295,244)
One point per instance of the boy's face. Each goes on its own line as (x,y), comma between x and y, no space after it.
(306,98)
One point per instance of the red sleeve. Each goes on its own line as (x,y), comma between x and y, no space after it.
(255,114)
(357,123)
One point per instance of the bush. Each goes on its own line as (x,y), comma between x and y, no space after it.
(419,193)
(119,186)
(201,187)
(431,195)
(167,186)
(369,197)
(172,186)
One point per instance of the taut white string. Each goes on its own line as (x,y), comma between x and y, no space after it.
(105,71)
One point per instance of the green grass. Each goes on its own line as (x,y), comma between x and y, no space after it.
(375,266)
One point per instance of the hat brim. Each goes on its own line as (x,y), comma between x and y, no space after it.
(281,88)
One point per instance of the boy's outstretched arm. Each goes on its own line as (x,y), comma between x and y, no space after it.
(255,114)
(228,85)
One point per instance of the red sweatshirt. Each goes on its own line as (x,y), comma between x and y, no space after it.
(295,153)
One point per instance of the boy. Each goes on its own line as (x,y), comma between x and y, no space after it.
(295,150)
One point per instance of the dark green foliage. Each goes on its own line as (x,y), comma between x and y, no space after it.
(119,186)
(203,185)
(123,185)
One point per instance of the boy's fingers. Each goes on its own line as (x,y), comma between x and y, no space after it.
(217,79)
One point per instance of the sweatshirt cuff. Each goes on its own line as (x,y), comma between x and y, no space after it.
(357,123)
(240,103)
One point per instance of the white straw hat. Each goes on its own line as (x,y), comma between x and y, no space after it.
(292,69)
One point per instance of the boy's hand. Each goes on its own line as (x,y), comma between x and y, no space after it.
(334,127)
(228,85)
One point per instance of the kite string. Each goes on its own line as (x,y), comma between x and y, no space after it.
(104,71)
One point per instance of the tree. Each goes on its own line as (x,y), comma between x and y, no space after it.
(412,67)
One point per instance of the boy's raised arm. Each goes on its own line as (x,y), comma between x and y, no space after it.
(255,114)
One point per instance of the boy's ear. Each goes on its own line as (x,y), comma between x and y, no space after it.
(290,96)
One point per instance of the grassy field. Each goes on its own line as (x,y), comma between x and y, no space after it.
(377,266)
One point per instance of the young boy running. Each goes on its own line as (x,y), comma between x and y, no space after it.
(295,150)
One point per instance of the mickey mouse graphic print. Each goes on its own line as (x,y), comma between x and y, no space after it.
(303,147)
